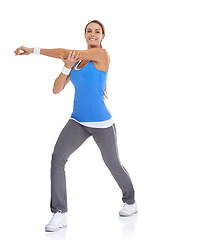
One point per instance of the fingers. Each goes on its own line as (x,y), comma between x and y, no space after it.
(62,58)
(70,54)
(73,52)
(76,57)
(18,51)
(73,55)
(72,58)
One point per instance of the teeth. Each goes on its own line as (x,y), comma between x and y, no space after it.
(92,39)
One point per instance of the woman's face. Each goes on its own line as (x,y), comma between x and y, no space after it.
(94,35)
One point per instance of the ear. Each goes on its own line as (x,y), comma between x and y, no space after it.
(103,36)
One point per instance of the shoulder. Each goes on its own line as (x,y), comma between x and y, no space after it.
(104,60)
(108,57)
(105,55)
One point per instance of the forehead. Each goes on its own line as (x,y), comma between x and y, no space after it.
(94,26)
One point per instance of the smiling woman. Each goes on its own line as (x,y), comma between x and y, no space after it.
(97,31)
(87,70)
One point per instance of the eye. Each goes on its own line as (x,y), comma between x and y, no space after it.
(89,31)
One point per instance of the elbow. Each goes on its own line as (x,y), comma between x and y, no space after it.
(56,87)
(55,90)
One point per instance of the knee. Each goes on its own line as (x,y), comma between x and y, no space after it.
(58,160)
(113,165)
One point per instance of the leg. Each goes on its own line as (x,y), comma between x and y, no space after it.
(71,138)
(107,143)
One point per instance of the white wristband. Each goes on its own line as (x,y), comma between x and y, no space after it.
(36,50)
(66,70)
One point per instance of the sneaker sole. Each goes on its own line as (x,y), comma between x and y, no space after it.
(52,229)
(128,215)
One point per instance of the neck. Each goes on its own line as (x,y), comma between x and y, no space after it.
(89,47)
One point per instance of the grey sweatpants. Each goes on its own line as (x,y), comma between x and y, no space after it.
(71,138)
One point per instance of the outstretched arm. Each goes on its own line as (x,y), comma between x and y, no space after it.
(55,53)
(94,54)
(98,55)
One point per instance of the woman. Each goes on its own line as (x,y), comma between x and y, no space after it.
(87,70)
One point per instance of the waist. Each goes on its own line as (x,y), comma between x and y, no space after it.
(101,124)
(90,112)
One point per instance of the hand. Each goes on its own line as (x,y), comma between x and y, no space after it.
(23,51)
(71,60)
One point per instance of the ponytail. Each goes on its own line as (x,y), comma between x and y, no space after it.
(105,92)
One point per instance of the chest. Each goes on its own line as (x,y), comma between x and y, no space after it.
(85,75)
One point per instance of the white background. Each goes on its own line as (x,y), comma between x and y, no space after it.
(152,97)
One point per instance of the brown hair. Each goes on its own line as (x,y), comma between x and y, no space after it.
(99,23)
(103,32)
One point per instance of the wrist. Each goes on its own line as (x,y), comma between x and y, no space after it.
(66,70)
(36,50)
(67,66)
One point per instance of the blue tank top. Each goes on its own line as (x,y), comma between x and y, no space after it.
(89,83)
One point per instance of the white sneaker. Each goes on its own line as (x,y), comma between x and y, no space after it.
(128,210)
(57,221)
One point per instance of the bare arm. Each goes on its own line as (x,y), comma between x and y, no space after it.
(94,54)
(62,80)
(55,53)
